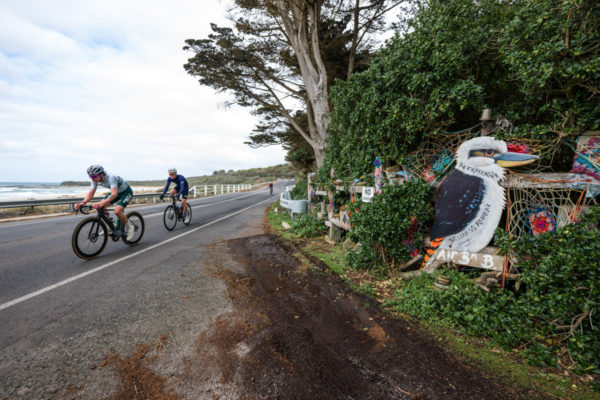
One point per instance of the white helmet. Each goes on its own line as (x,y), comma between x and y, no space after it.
(172,170)
(95,170)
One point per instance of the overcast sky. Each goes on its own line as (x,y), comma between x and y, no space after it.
(102,82)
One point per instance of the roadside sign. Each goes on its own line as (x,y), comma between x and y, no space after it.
(367,194)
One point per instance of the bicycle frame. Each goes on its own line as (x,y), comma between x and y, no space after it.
(102,215)
(174,199)
(91,234)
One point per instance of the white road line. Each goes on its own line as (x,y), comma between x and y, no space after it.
(100,268)
(201,205)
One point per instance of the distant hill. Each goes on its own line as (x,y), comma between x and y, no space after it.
(221,177)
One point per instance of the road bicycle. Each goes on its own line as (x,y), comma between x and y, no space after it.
(174,213)
(91,234)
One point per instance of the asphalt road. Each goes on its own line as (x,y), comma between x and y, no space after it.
(60,315)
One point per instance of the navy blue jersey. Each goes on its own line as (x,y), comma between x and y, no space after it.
(181,185)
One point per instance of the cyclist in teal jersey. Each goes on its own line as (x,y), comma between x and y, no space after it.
(120,193)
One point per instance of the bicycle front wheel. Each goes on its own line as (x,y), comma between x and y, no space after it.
(89,238)
(188,217)
(170,218)
(135,218)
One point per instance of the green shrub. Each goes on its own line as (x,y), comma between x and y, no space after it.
(307,225)
(535,61)
(388,227)
(557,307)
(299,192)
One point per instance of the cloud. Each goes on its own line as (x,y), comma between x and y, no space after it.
(85,82)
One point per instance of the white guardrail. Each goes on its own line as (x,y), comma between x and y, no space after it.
(293,206)
(195,191)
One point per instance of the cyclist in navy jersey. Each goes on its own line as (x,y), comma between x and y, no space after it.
(181,187)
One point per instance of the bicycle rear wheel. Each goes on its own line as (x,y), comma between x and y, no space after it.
(188,217)
(170,218)
(89,238)
(135,219)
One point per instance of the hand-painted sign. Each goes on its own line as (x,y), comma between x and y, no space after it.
(367,194)
(477,260)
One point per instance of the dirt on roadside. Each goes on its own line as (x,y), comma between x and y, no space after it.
(297,332)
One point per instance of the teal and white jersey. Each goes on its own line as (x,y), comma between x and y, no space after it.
(111,181)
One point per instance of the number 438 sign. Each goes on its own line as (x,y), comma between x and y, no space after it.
(367,194)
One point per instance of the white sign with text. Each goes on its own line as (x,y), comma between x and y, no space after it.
(367,194)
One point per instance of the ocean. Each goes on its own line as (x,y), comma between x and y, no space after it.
(38,190)
(10,191)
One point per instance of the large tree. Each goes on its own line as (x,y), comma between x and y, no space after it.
(281,56)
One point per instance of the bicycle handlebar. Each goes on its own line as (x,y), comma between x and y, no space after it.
(177,197)
(84,209)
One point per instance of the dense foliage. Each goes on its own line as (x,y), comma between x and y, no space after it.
(535,61)
(307,225)
(388,227)
(555,314)
(300,191)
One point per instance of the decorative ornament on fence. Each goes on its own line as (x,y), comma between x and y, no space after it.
(312,196)
(540,220)
(331,205)
(378,174)
(440,161)
(519,147)
(490,125)
(409,240)
(587,157)
(470,200)
(345,217)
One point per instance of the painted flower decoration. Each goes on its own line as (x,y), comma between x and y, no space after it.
(428,174)
(541,221)
(377,162)
(516,147)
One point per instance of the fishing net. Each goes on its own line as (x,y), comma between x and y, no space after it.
(537,205)
(434,158)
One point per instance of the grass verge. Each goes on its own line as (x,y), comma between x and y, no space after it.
(506,366)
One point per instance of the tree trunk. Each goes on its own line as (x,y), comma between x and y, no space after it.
(300,21)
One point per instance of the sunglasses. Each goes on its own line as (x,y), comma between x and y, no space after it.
(93,176)
(171,174)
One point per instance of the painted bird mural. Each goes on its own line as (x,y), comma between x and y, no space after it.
(469,202)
